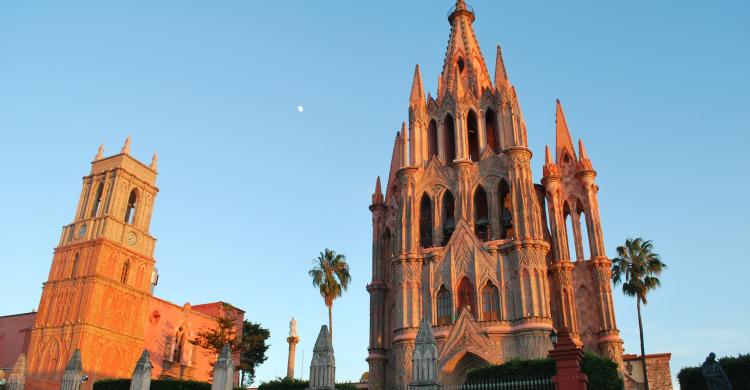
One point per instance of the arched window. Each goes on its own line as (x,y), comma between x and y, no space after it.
(583,221)
(466,296)
(490,127)
(444,306)
(132,203)
(481,215)
(425,222)
(490,302)
(178,346)
(97,200)
(449,224)
(432,140)
(74,269)
(505,208)
(473,135)
(125,271)
(449,135)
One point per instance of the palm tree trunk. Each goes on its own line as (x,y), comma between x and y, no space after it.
(643,349)
(330,322)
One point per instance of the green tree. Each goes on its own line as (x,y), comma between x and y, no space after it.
(330,274)
(253,349)
(251,346)
(638,268)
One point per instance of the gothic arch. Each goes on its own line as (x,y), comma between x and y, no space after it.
(490,302)
(50,358)
(491,130)
(466,296)
(448,216)
(482,227)
(444,305)
(425,221)
(97,199)
(505,209)
(132,206)
(472,135)
(455,369)
(449,138)
(432,139)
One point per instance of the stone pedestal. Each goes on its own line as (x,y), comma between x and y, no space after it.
(424,359)
(323,364)
(290,360)
(567,355)
(73,375)
(18,374)
(142,373)
(223,378)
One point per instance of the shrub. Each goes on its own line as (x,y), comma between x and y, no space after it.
(297,384)
(156,384)
(601,372)
(736,368)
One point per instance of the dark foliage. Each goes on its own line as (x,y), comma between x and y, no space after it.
(736,368)
(156,384)
(601,372)
(296,384)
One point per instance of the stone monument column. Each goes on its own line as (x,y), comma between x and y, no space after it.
(323,363)
(73,376)
(293,339)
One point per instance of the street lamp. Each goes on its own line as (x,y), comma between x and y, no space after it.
(553,337)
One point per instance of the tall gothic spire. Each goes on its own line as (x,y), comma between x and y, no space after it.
(562,135)
(501,75)
(417,90)
(463,58)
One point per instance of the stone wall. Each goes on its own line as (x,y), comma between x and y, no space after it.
(659,373)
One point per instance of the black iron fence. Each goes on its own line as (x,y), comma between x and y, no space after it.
(526,383)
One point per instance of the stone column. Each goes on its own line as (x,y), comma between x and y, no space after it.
(73,375)
(292,340)
(424,359)
(142,373)
(18,374)
(223,378)
(323,363)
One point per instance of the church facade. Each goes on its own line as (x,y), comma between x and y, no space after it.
(463,237)
(98,297)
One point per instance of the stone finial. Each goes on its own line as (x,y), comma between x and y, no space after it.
(142,373)
(404,146)
(17,378)
(323,363)
(584,163)
(223,378)
(440,90)
(424,359)
(377,196)
(126,147)
(154,162)
(99,153)
(562,135)
(416,98)
(73,375)
(501,76)
(549,169)
(460,5)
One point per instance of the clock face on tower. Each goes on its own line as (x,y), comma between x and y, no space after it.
(132,238)
(81,231)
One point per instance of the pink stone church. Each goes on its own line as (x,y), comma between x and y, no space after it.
(462,235)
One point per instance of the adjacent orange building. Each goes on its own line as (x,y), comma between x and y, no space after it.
(98,296)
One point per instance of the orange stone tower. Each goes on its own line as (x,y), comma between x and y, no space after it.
(461,235)
(97,295)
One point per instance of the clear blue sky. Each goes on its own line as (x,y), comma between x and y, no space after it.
(251,189)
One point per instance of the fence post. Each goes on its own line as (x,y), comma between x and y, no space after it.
(567,355)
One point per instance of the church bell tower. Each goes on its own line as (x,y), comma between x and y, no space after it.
(99,286)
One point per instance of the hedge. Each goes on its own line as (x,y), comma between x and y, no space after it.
(736,368)
(297,384)
(156,384)
(601,372)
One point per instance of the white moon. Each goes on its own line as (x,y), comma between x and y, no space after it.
(300,108)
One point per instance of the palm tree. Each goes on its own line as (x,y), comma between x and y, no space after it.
(637,268)
(330,274)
